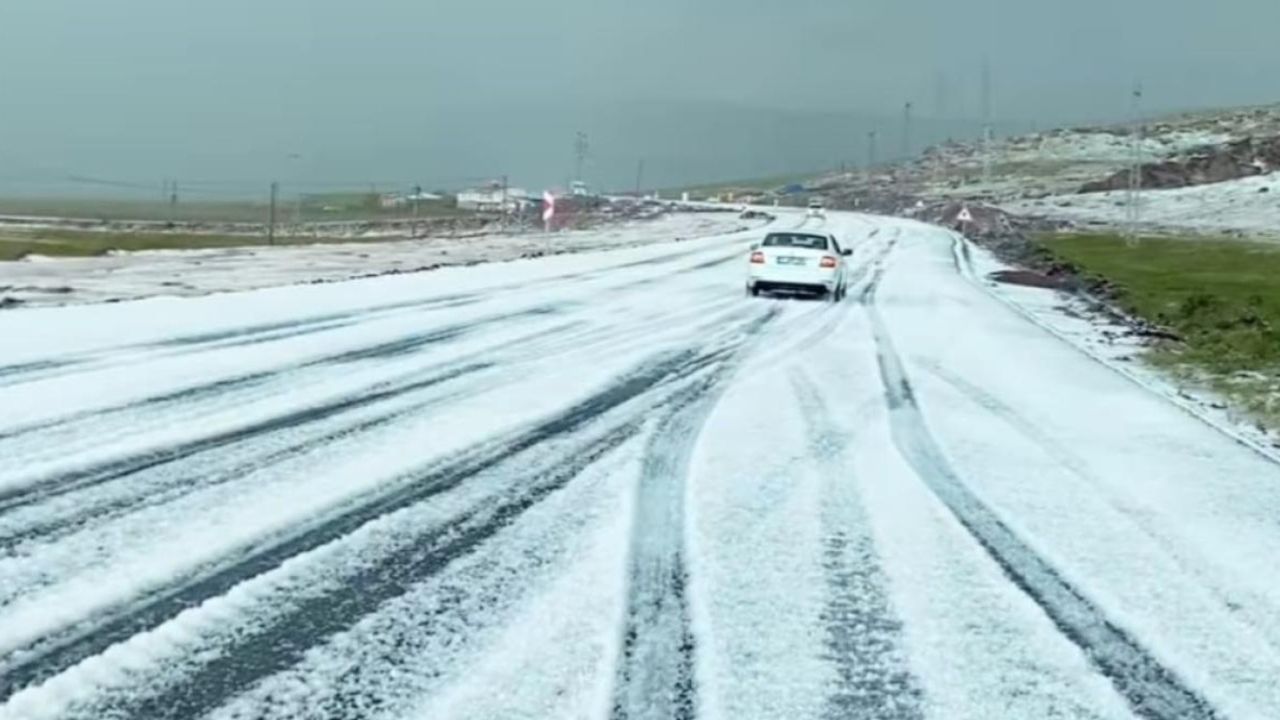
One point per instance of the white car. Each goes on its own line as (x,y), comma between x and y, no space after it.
(799,263)
(817,208)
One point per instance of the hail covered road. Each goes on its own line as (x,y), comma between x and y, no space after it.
(610,485)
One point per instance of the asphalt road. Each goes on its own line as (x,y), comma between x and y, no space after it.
(610,485)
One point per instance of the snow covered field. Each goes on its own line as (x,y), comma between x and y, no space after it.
(609,485)
(1054,162)
(124,276)
(1104,147)
(1250,205)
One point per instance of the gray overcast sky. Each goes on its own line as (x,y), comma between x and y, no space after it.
(401,90)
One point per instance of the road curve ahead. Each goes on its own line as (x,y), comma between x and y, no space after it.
(611,485)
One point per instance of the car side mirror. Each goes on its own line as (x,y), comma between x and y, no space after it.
(846,252)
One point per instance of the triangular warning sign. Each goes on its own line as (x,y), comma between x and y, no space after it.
(965,216)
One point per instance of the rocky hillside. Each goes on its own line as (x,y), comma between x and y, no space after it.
(1201,166)
(1080,175)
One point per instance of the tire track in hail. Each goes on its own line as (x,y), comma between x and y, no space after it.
(1152,690)
(249,381)
(1191,563)
(143,493)
(54,654)
(655,670)
(864,637)
(286,642)
(804,332)
(143,490)
(16,370)
(65,483)
(167,458)
(46,368)
(217,339)
(266,650)
(318,323)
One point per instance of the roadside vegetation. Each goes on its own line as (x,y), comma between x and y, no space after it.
(126,209)
(15,245)
(1219,297)
(133,225)
(337,206)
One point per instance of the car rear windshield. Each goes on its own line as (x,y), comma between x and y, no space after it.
(811,242)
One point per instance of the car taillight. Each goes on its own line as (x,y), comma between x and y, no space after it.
(828,262)
(757,258)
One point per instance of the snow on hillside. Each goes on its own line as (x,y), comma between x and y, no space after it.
(1248,205)
(1054,162)
(1059,162)
(1100,146)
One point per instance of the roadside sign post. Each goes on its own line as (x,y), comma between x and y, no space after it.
(964,218)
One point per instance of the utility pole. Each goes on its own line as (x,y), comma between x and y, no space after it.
(506,187)
(417,195)
(906,132)
(940,93)
(271,216)
(902,170)
(639,176)
(297,206)
(871,149)
(987,134)
(173,201)
(580,149)
(1134,209)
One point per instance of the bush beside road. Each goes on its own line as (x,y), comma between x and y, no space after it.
(16,245)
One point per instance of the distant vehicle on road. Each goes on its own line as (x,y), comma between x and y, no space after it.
(817,208)
(796,263)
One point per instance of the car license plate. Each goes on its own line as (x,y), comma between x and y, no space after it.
(790,261)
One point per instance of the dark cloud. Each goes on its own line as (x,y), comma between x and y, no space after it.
(441,92)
